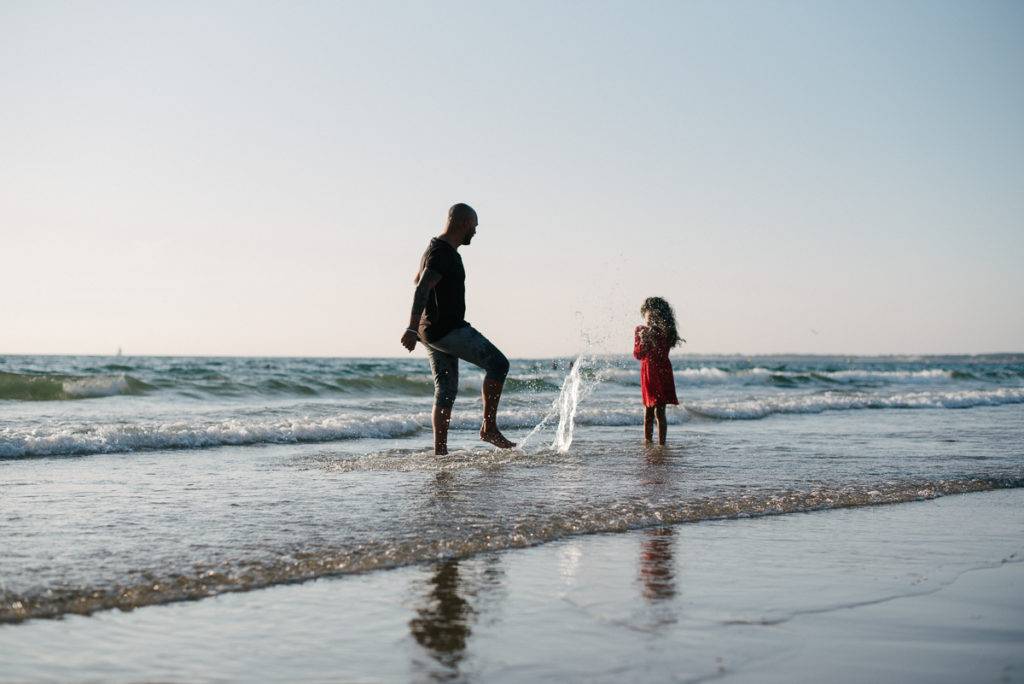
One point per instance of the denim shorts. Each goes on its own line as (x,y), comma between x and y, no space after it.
(464,343)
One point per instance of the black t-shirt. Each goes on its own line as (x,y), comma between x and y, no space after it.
(446,304)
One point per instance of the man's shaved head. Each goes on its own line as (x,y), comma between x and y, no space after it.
(460,213)
(462,223)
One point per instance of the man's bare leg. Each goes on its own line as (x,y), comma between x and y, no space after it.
(440,419)
(662,423)
(648,423)
(489,431)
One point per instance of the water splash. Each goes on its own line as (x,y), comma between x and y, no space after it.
(567,402)
(583,377)
(555,409)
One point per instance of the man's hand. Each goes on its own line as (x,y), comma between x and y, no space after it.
(409,340)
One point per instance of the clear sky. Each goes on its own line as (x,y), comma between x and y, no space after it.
(261,178)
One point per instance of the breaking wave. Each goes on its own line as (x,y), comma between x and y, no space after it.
(713,376)
(79,440)
(208,383)
(750,409)
(97,438)
(41,387)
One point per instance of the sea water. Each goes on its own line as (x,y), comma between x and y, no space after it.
(131,481)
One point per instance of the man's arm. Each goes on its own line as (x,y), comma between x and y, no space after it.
(428,280)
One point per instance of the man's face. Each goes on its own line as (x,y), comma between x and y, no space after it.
(471,225)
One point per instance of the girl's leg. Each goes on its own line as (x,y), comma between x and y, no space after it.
(662,423)
(648,423)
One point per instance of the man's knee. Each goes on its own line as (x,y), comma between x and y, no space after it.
(446,386)
(497,368)
(444,399)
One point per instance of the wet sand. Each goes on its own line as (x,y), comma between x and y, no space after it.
(927,591)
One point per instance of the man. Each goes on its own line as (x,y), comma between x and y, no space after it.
(439,321)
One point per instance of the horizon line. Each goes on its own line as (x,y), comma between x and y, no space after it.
(521,358)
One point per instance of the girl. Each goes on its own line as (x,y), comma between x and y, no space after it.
(651,345)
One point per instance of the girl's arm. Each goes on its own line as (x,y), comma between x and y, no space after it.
(639,342)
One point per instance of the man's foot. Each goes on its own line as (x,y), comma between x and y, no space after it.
(494,436)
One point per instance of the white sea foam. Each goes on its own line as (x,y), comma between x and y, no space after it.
(690,376)
(818,403)
(109,438)
(710,376)
(920,376)
(95,438)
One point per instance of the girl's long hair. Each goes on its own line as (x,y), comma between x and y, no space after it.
(663,318)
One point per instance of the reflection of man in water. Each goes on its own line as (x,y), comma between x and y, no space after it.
(443,623)
(438,321)
(457,596)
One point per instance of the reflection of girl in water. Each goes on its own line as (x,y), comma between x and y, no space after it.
(656,571)
(651,345)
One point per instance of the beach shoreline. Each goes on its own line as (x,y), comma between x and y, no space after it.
(923,591)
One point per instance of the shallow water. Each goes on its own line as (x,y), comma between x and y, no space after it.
(174,479)
(731,599)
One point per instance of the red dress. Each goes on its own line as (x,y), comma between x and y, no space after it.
(657,384)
